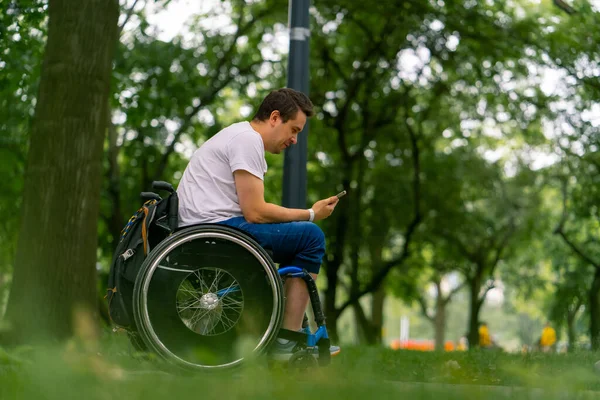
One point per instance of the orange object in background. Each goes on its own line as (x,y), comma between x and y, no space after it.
(419,345)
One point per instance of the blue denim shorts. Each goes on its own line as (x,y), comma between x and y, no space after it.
(299,244)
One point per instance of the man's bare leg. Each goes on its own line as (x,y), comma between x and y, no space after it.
(297,299)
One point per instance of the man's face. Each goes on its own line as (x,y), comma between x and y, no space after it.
(285,134)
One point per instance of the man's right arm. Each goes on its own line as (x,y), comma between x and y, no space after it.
(251,194)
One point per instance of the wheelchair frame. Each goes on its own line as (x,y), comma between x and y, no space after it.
(307,339)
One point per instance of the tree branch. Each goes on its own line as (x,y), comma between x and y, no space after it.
(127,17)
(329,60)
(559,230)
(423,306)
(502,246)
(576,249)
(481,299)
(453,292)
(352,91)
(471,256)
(564,6)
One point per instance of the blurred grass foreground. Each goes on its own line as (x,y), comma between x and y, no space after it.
(108,368)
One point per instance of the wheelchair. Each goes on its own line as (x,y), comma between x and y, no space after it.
(209,297)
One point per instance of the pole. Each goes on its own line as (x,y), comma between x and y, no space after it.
(294,165)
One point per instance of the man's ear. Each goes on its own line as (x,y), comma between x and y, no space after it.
(275,115)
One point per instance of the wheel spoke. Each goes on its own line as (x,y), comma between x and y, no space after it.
(197,316)
(233,309)
(192,293)
(203,286)
(225,318)
(215,283)
(201,309)
(231,301)
(193,305)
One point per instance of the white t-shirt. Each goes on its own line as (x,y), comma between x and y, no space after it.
(207,189)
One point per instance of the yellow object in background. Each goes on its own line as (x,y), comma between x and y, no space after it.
(548,336)
(484,336)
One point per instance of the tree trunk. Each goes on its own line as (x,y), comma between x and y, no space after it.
(55,267)
(594,297)
(330,299)
(474,287)
(363,326)
(571,331)
(331,312)
(377,315)
(378,297)
(439,321)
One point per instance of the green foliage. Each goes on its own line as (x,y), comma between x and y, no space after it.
(22,35)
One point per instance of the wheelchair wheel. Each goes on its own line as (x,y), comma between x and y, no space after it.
(302,361)
(207,298)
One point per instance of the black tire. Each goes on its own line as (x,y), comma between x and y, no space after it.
(244,322)
(136,342)
(302,361)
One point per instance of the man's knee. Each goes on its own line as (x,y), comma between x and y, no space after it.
(317,244)
(315,234)
(300,244)
(313,269)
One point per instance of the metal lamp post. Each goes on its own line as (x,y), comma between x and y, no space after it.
(294,167)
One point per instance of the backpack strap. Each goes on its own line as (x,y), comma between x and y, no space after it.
(145,230)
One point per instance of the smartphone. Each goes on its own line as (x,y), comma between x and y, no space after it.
(341,194)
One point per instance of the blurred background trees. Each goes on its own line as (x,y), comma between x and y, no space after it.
(465,132)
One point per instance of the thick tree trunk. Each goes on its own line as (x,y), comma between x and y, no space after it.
(55,268)
(594,297)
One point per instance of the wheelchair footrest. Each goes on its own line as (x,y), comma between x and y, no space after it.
(299,337)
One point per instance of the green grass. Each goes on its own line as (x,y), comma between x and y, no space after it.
(111,371)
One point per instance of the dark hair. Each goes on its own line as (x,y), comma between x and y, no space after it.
(287,101)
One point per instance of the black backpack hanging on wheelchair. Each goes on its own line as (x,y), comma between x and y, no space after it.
(152,223)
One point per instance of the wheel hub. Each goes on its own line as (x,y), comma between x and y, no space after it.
(209,301)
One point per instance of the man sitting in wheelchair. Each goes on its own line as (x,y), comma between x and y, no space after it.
(223,184)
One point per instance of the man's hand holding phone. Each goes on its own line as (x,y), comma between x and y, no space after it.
(324,208)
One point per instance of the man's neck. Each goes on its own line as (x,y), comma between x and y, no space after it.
(259,127)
